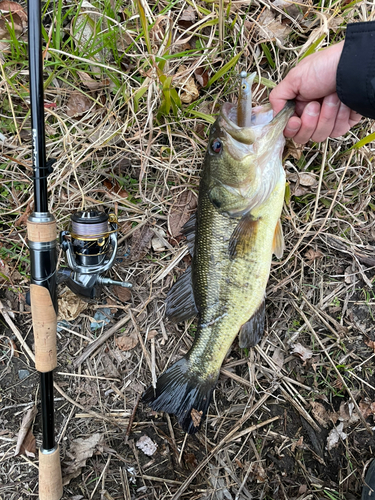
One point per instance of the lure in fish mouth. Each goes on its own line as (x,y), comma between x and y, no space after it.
(232,238)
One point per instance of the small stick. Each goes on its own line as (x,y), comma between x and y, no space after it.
(131,419)
(90,349)
(16,332)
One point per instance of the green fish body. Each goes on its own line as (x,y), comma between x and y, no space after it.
(236,231)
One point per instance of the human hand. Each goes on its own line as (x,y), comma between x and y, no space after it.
(319,112)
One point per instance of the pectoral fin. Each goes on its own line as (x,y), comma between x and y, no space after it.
(278,246)
(180,304)
(252,331)
(243,236)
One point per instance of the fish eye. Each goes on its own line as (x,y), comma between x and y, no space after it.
(216,145)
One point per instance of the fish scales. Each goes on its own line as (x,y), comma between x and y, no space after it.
(237,229)
(229,290)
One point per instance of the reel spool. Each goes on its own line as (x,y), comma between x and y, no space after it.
(90,248)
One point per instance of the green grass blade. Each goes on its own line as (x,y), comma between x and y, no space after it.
(144,22)
(208,118)
(312,48)
(268,55)
(224,69)
(364,141)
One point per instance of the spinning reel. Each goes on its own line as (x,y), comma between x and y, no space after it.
(90,248)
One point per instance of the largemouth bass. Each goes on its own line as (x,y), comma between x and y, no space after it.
(237,229)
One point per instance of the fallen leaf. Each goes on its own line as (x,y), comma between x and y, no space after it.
(202,76)
(187,18)
(258,472)
(7,274)
(196,417)
(89,394)
(278,358)
(300,191)
(190,460)
(294,150)
(270,28)
(80,450)
(110,369)
(347,413)
(312,255)
(370,344)
(152,334)
(26,440)
(90,82)
(78,104)
(127,342)
(140,243)
(70,306)
(180,212)
(295,11)
(320,414)
(188,14)
(106,135)
(83,30)
(302,489)
(13,8)
(335,435)
(367,408)
(307,179)
(336,23)
(189,91)
(146,445)
(114,187)
(123,294)
(302,352)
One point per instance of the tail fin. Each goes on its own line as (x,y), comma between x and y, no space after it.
(183,393)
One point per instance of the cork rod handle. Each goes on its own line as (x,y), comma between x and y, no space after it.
(50,482)
(44,325)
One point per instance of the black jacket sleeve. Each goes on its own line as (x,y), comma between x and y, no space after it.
(355,79)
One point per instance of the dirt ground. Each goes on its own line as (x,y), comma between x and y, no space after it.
(273,412)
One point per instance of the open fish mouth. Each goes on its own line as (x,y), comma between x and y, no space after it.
(261,116)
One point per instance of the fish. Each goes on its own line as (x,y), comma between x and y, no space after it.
(232,238)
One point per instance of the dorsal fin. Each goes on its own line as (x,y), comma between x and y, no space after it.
(180,304)
(278,246)
(243,236)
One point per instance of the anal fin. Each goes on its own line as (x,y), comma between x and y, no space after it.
(180,304)
(278,246)
(243,236)
(252,331)
(188,230)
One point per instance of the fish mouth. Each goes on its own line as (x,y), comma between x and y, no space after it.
(262,119)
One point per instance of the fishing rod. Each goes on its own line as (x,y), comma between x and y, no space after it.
(90,250)
(41,231)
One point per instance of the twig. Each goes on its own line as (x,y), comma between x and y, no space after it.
(16,332)
(90,349)
(131,419)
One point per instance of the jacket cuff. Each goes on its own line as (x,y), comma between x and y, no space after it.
(355,79)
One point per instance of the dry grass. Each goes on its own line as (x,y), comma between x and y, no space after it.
(266,433)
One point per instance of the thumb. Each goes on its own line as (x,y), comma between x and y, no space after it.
(283,92)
